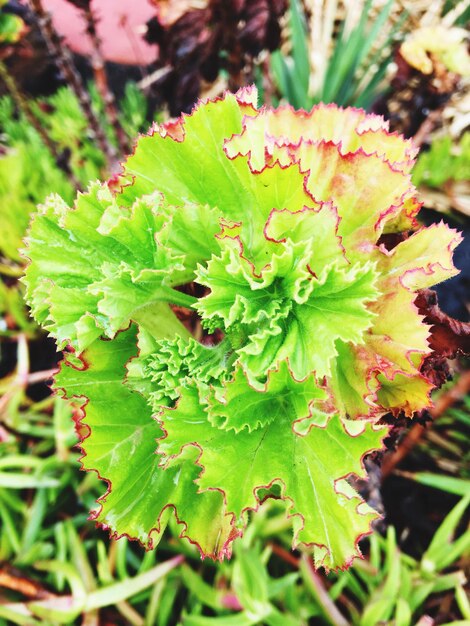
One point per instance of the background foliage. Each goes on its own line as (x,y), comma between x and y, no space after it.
(57,568)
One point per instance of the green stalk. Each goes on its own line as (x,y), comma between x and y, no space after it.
(168,294)
(159,320)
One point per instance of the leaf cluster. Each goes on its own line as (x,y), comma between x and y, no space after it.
(250,304)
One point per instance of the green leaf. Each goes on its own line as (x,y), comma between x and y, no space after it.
(97,265)
(299,40)
(240,296)
(22,186)
(451,484)
(11,27)
(189,232)
(65,609)
(124,589)
(437,554)
(14,480)
(173,364)
(384,599)
(317,226)
(120,447)
(194,169)
(243,408)
(306,335)
(352,382)
(250,579)
(243,618)
(443,162)
(310,467)
(205,593)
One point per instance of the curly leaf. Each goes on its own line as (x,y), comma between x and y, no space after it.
(173,364)
(350,129)
(96,265)
(240,296)
(306,335)
(353,383)
(424,259)
(309,467)
(244,408)
(319,227)
(405,393)
(120,447)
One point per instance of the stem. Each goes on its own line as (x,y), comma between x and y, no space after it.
(11,270)
(159,320)
(39,377)
(17,581)
(316,587)
(168,294)
(129,613)
(25,109)
(101,80)
(283,554)
(426,128)
(62,56)
(124,24)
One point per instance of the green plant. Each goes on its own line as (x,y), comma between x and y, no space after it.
(438,44)
(65,568)
(350,71)
(54,573)
(443,451)
(392,587)
(11,26)
(28,170)
(13,312)
(269,250)
(443,161)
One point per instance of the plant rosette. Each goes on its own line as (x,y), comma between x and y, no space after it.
(237,310)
